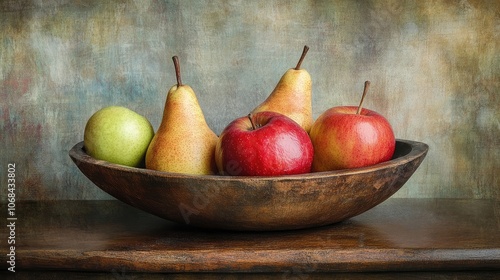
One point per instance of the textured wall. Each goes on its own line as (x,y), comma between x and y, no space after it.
(434,68)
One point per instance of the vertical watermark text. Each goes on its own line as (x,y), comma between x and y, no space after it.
(11,216)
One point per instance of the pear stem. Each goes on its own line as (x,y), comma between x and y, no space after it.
(304,52)
(251,120)
(177,70)
(365,90)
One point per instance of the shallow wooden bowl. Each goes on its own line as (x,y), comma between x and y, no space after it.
(255,203)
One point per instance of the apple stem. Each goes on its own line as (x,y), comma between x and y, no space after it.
(251,121)
(177,70)
(365,90)
(304,52)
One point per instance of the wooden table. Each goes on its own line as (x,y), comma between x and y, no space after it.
(399,235)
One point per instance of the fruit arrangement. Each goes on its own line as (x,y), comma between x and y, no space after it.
(278,137)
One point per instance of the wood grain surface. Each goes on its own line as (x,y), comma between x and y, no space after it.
(398,235)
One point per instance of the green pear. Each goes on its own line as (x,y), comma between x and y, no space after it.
(118,135)
(184,143)
(292,96)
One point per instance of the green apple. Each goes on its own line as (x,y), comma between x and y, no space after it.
(118,135)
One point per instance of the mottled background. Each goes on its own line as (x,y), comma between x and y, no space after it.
(434,68)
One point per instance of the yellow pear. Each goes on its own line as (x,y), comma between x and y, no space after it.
(292,96)
(184,143)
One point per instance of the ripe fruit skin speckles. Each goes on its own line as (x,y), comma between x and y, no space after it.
(118,135)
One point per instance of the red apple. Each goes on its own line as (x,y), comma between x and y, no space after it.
(264,144)
(349,137)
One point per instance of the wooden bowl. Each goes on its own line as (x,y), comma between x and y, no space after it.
(255,203)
